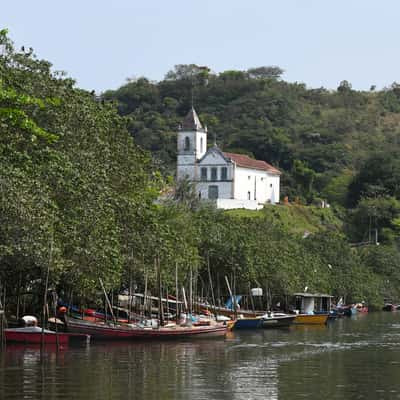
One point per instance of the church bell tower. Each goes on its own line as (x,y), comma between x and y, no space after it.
(192,145)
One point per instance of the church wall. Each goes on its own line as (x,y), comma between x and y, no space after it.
(213,158)
(186,167)
(201,144)
(273,193)
(224,189)
(253,181)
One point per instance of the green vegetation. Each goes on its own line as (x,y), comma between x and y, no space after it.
(79,178)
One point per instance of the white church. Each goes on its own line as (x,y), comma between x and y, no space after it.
(229,180)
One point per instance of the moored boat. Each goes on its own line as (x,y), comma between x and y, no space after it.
(139,331)
(268,320)
(35,335)
(277,320)
(311,319)
(312,308)
(246,323)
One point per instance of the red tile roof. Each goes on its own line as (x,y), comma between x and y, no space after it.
(245,161)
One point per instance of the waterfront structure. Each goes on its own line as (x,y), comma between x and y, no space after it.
(230,180)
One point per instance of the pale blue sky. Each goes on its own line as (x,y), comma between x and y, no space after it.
(100,43)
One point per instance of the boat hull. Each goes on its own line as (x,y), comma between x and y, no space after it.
(16,336)
(247,323)
(278,322)
(104,332)
(312,319)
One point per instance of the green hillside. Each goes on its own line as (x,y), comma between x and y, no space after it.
(319,138)
(295,218)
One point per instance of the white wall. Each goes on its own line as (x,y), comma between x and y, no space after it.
(273,193)
(263,187)
(253,181)
(186,167)
(224,189)
(200,151)
(231,204)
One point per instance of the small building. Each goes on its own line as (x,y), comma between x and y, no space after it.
(230,180)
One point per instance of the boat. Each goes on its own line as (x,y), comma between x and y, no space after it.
(347,310)
(268,320)
(228,310)
(35,335)
(389,307)
(277,320)
(311,319)
(246,323)
(102,331)
(361,307)
(312,308)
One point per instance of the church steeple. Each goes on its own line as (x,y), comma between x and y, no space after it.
(192,122)
(192,145)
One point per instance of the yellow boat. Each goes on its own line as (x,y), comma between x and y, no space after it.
(313,308)
(311,319)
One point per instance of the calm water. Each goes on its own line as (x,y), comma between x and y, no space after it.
(349,359)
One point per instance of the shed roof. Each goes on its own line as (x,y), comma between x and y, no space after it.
(317,295)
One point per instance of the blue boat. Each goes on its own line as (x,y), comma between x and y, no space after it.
(247,323)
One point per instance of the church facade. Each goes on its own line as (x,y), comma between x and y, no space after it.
(230,180)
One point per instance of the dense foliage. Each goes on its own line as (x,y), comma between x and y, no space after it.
(77,190)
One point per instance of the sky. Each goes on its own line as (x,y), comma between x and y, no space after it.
(102,43)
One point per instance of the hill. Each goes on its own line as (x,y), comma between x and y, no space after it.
(319,138)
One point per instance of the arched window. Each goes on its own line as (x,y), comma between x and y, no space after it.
(187,143)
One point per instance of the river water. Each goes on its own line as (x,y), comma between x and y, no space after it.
(348,359)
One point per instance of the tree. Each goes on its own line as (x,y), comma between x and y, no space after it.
(270,72)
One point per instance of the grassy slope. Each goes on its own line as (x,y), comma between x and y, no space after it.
(295,218)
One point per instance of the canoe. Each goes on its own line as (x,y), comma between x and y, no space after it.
(130,332)
(311,319)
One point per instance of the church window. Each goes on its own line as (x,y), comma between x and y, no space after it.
(201,145)
(213,192)
(187,143)
(249,177)
(213,174)
(224,174)
(203,174)
(270,185)
(248,196)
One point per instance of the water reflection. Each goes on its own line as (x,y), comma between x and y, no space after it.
(349,359)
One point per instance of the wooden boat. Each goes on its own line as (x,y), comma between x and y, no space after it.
(389,307)
(277,320)
(130,332)
(269,320)
(246,323)
(229,312)
(34,335)
(312,308)
(311,319)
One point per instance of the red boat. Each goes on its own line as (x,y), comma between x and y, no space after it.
(128,332)
(33,334)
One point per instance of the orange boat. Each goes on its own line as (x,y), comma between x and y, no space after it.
(311,319)
(312,308)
